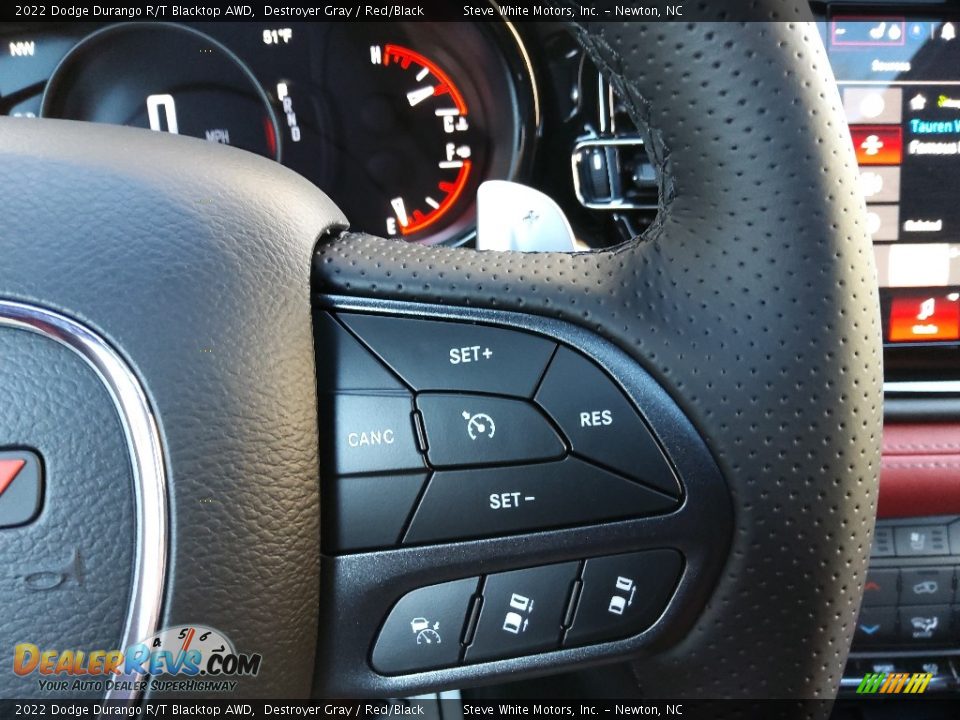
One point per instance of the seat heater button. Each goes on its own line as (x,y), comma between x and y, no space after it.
(370,434)
(522,612)
(474,503)
(440,355)
(424,629)
(600,422)
(915,540)
(481,430)
(623,595)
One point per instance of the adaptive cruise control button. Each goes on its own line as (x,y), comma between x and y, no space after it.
(441,355)
(623,595)
(370,434)
(600,422)
(482,430)
(473,503)
(424,629)
(522,612)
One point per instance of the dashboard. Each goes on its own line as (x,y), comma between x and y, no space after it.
(399,122)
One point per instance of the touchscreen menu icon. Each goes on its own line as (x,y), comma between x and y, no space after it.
(922,319)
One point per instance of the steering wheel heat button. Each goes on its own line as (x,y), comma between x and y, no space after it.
(600,422)
(480,430)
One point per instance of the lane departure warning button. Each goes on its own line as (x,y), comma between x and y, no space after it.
(437,355)
(600,422)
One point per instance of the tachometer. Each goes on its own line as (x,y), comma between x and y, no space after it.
(434,96)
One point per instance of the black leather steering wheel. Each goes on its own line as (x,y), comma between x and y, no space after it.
(167,281)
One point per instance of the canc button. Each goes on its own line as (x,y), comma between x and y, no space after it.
(371,433)
(623,595)
(600,422)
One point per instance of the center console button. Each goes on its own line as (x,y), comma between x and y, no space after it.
(876,625)
(369,434)
(918,540)
(880,587)
(462,357)
(481,430)
(522,612)
(926,585)
(462,504)
(600,422)
(424,629)
(925,624)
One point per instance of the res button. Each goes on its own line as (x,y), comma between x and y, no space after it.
(600,422)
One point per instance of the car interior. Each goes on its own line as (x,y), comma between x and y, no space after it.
(487,359)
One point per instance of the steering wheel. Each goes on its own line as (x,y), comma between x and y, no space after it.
(167,384)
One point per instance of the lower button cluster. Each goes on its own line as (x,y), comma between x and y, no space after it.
(526,611)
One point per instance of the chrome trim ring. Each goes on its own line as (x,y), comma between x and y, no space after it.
(146,455)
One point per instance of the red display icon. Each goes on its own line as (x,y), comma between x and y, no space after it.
(878,144)
(924,319)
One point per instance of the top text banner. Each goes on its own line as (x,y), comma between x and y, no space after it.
(426,10)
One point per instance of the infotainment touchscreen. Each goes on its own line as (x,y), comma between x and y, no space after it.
(899,80)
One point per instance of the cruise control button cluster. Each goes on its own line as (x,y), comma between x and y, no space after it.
(436,431)
(526,611)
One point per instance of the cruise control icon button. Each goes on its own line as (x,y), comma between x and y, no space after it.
(483,430)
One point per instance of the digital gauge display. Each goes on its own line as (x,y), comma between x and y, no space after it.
(399,123)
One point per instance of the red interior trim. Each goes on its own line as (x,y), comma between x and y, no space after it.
(920,471)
